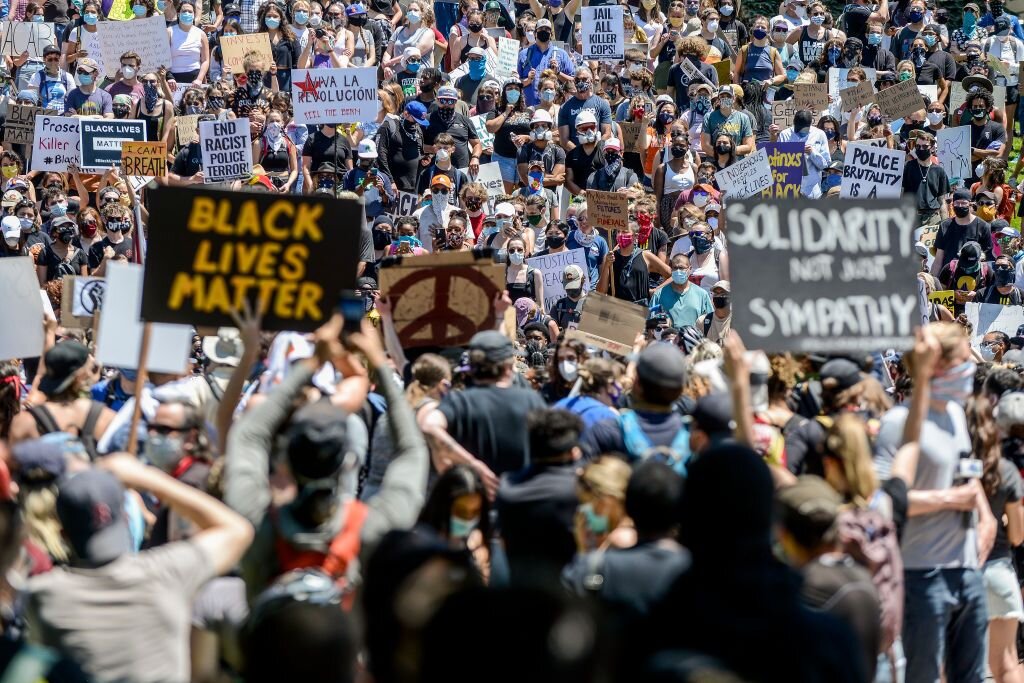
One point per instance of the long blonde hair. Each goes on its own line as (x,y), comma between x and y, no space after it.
(847,442)
(41,524)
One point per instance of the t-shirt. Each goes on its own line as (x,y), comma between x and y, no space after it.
(584,163)
(953,235)
(242,103)
(598,106)
(678,79)
(588,408)
(992,295)
(552,155)
(683,307)
(737,125)
(468,87)
(136,91)
(605,436)
(128,620)
(927,186)
(462,131)
(1011,490)
(98,101)
(594,251)
(122,248)
(320,148)
(490,423)
(516,123)
(946,538)
(56,267)
(53,89)
(983,136)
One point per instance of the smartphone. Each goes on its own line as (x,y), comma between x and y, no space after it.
(352,307)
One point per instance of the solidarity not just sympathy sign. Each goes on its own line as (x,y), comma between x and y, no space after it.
(827,277)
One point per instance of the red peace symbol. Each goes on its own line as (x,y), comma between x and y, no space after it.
(442,314)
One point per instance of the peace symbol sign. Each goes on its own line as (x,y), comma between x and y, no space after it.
(467,286)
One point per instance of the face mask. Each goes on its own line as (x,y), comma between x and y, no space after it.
(666,117)
(987,213)
(929,40)
(59,210)
(997,9)
(164,451)
(569,370)
(833,54)
(443,155)
(625,240)
(988,354)
(725,103)
(874,120)
(1005,277)
(139,10)
(791,74)
(516,257)
(597,524)
(38,18)
(186,18)
(412,67)
(760,33)
(817,20)
(26,224)
(476,28)
(502,223)
(915,16)
(723,148)
(612,163)
(85,79)
(300,18)
(677,151)
(460,528)
(414,17)
(90,18)
(88,229)
(934,117)
(701,244)
(543,35)
(477,69)
(720,302)
(923,153)
(699,198)
(273,22)
(680,276)
(713,222)
(9,171)
(905,76)
(161,5)
(489,230)
(979,113)
(588,137)
(979,170)
(12,243)
(512,96)
(315,20)
(961,211)
(66,234)
(712,26)
(545,95)
(955,384)
(534,219)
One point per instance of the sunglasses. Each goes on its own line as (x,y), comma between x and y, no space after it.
(164,429)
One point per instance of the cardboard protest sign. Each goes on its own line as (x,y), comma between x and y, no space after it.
(957,97)
(609,323)
(834,277)
(953,146)
(630,135)
(21,335)
(442,299)
(20,123)
(120,328)
(211,249)
(186,128)
(102,140)
(144,159)
(900,100)
(603,30)
(747,177)
(508,56)
(227,150)
(57,143)
(838,79)
(724,71)
(992,318)
(783,112)
(235,48)
(335,95)
(609,210)
(858,95)
(943,298)
(786,160)
(81,299)
(871,171)
(29,36)
(812,96)
(145,36)
(551,267)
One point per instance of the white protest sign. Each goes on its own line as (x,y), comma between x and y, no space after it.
(551,267)
(335,95)
(147,37)
(490,177)
(957,97)
(57,143)
(87,296)
(90,44)
(746,177)
(992,318)
(929,91)
(871,172)
(21,335)
(693,74)
(954,150)
(27,36)
(508,57)
(837,79)
(480,128)
(227,150)
(603,29)
(120,330)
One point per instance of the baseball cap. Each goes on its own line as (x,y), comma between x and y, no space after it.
(326,167)
(541,116)
(585,117)
(447,93)
(11,198)
(661,365)
(524,306)
(477,52)
(962,194)
(226,348)
(666,99)
(232,8)
(572,277)
(11,227)
(986,194)
(441,179)
(854,43)
(51,50)
(355,8)
(712,413)
(505,209)
(87,63)
(726,90)
(543,23)
(45,459)
(418,111)
(810,505)
(613,143)
(932,28)
(367,149)
(1009,412)
(972,6)
(317,441)
(61,221)
(495,346)
(723,285)
(1002,23)
(970,256)
(125,100)
(90,506)
(694,87)
(840,373)
(62,362)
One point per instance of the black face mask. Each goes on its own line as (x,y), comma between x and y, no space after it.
(66,235)
(1004,276)
(254,81)
(678,152)
(381,238)
(874,120)
(720,302)
(555,241)
(723,148)
(476,28)
(427,87)
(922,153)
(358,22)
(961,211)
(120,112)
(543,36)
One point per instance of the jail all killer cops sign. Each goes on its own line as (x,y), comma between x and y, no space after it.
(827,277)
(603,30)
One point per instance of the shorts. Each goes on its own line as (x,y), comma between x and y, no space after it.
(509,168)
(1012,94)
(1002,590)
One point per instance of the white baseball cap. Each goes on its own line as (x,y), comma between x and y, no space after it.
(613,143)
(11,227)
(540,116)
(367,149)
(585,116)
(505,209)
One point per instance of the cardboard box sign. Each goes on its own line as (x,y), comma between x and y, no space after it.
(442,299)
(609,323)
(211,249)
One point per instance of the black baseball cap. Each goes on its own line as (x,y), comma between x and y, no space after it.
(317,441)
(661,365)
(841,373)
(62,362)
(495,346)
(90,506)
(713,414)
(51,50)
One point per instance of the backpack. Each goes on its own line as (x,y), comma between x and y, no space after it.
(338,561)
(47,424)
(983,274)
(639,446)
(869,537)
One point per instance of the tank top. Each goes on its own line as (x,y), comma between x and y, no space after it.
(810,48)
(632,279)
(481,43)
(561,29)
(186,47)
(707,274)
(361,44)
(518,290)
(154,122)
(759,63)
(274,162)
(404,39)
(677,181)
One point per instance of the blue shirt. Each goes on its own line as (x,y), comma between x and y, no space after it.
(589,409)
(598,106)
(531,58)
(684,308)
(593,252)
(989,20)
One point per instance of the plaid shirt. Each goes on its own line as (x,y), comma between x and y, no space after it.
(250,15)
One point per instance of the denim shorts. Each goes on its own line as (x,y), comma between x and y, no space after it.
(1003,591)
(509,169)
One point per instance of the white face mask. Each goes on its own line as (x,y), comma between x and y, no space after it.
(569,370)
(987,353)
(934,117)
(443,155)
(979,170)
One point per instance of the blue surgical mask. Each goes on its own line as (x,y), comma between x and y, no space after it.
(38,18)
(680,276)
(791,74)
(461,528)
(59,210)
(413,17)
(597,524)
(413,67)
(874,39)
(512,96)
(139,10)
(90,18)
(273,22)
(85,79)
(929,40)
(186,18)
(161,5)
(301,18)
(516,257)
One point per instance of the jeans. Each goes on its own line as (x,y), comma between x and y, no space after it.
(885,673)
(945,624)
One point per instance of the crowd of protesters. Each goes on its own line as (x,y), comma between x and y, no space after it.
(333,507)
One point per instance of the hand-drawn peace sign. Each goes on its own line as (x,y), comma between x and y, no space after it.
(437,320)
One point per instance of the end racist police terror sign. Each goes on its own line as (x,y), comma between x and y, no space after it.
(828,277)
(603,32)
(210,250)
(227,150)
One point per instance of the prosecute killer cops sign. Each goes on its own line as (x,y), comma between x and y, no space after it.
(210,250)
(826,277)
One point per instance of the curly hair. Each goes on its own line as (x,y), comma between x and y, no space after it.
(692,46)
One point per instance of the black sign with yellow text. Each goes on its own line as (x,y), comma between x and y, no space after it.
(210,250)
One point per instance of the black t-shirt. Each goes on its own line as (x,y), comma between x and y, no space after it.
(945,62)
(460,128)
(928,187)
(188,161)
(399,153)
(953,235)
(982,137)
(878,58)
(566,311)
(242,103)
(551,155)
(583,163)
(517,123)
(992,295)
(633,578)
(57,267)
(321,148)
(122,248)
(468,87)
(928,73)
(490,423)
(678,79)
(286,57)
